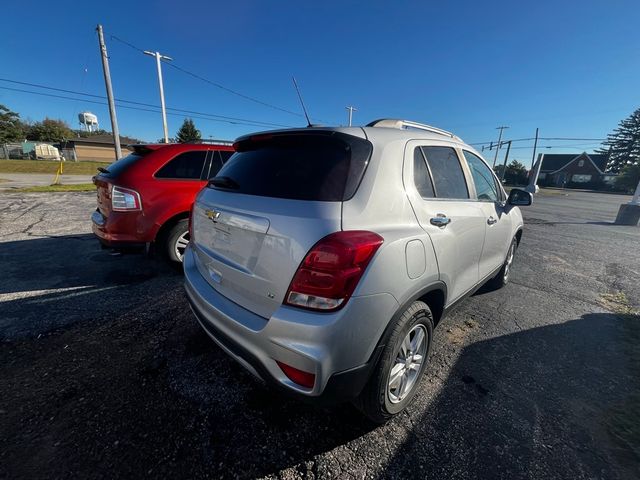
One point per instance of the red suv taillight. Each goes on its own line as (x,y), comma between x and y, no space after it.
(329,273)
(125,199)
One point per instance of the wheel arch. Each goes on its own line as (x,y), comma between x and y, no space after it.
(434,295)
(168,224)
(518,235)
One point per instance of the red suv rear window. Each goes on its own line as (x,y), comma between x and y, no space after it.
(119,166)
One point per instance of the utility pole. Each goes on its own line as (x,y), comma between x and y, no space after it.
(160,57)
(107,82)
(351,110)
(535,146)
(506,156)
(498,145)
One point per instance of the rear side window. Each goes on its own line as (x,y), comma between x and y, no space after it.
(119,166)
(187,165)
(421,175)
(485,182)
(446,171)
(226,155)
(322,166)
(218,158)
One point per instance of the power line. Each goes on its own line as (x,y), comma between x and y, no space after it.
(543,138)
(179,110)
(493,141)
(215,84)
(562,146)
(154,108)
(569,138)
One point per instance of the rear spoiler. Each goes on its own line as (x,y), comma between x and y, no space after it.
(142,149)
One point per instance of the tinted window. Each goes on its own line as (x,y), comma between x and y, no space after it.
(186,165)
(216,163)
(448,179)
(225,155)
(485,182)
(119,166)
(421,175)
(324,166)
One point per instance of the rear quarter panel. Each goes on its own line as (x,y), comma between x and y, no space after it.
(381,205)
(164,199)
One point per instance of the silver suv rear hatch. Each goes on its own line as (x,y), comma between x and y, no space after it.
(270,203)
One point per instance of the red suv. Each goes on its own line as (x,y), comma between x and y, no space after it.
(146,197)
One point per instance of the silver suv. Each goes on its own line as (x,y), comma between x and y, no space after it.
(321,259)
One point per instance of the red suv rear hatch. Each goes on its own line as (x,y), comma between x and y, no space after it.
(109,176)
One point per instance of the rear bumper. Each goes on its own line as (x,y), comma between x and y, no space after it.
(340,348)
(119,229)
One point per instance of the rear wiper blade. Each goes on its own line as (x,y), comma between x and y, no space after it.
(224,182)
(103,170)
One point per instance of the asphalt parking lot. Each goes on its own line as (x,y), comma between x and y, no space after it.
(104,373)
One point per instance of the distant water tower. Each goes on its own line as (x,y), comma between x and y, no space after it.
(88,120)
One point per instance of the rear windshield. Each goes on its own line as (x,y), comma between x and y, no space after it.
(119,166)
(320,166)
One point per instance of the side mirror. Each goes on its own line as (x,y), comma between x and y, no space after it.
(519,198)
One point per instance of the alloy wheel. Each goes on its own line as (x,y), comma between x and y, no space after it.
(181,243)
(510,255)
(408,363)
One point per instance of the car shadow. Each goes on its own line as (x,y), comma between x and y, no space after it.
(70,261)
(73,278)
(251,429)
(541,403)
(145,392)
(559,401)
(152,395)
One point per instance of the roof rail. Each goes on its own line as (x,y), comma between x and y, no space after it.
(407,124)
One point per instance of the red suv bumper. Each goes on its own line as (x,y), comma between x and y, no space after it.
(119,229)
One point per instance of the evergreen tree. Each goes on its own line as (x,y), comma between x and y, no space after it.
(516,173)
(623,144)
(11,127)
(188,132)
(628,178)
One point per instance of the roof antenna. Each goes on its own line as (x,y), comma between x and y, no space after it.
(304,109)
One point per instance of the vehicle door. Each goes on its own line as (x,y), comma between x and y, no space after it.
(441,198)
(492,200)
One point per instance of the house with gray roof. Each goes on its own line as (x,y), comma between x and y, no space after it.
(570,170)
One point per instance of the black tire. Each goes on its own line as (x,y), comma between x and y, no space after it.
(502,278)
(169,243)
(375,399)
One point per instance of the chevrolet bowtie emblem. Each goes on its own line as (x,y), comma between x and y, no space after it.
(212,215)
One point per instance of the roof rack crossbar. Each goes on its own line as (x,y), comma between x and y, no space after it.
(404,124)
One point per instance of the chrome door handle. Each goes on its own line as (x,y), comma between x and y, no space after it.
(491,220)
(440,220)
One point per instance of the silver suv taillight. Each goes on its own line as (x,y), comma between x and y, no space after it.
(125,200)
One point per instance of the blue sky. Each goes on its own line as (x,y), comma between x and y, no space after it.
(568,67)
